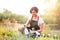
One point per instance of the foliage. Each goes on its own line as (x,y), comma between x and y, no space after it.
(9,15)
(49,19)
(8,34)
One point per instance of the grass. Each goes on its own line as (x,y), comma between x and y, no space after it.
(19,36)
(43,38)
(47,34)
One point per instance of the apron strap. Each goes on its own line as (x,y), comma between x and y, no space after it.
(37,20)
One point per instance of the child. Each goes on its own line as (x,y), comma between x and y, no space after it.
(36,23)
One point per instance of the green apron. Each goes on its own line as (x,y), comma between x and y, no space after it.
(34,24)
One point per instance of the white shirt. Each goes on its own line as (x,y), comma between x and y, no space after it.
(40,21)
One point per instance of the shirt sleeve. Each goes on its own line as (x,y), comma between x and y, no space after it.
(41,21)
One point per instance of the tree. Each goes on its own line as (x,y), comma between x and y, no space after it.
(6,14)
(58,14)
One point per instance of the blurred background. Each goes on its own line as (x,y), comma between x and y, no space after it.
(14,14)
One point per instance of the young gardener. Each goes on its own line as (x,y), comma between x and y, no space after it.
(35,21)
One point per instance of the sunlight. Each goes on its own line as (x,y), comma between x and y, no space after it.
(18,23)
(23,6)
(48,5)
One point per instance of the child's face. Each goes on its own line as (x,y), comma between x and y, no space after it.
(34,13)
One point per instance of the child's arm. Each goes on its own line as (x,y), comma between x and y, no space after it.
(41,27)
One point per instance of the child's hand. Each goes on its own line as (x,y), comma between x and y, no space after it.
(32,31)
